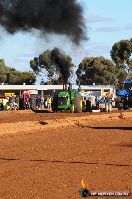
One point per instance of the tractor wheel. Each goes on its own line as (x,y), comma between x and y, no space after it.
(83,106)
(54,104)
(110,107)
(106,107)
(78,103)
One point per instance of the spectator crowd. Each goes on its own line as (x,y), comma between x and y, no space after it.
(25,102)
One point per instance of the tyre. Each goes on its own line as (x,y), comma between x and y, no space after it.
(77,103)
(120,108)
(54,103)
(106,107)
(109,107)
(83,106)
(88,106)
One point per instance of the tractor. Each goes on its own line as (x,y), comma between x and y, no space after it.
(93,104)
(68,99)
(124,100)
(104,104)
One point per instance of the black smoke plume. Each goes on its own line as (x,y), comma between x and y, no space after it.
(49,16)
(63,63)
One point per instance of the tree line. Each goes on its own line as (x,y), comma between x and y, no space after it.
(12,76)
(57,67)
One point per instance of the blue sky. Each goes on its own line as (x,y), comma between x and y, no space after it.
(107,22)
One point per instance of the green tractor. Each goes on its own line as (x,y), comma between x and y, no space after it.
(67,99)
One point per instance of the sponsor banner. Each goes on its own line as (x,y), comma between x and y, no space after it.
(33,92)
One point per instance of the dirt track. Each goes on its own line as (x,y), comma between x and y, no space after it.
(45,155)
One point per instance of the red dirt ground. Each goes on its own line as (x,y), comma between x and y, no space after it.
(45,155)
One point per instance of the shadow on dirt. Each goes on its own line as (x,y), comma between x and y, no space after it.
(43,122)
(41,111)
(106,127)
(119,128)
(124,145)
(66,162)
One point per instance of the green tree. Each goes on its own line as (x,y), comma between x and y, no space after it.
(54,64)
(15,77)
(3,69)
(98,70)
(12,76)
(121,54)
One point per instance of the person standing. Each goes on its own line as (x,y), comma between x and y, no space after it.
(38,102)
(49,102)
(27,102)
(42,102)
(11,102)
(5,101)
